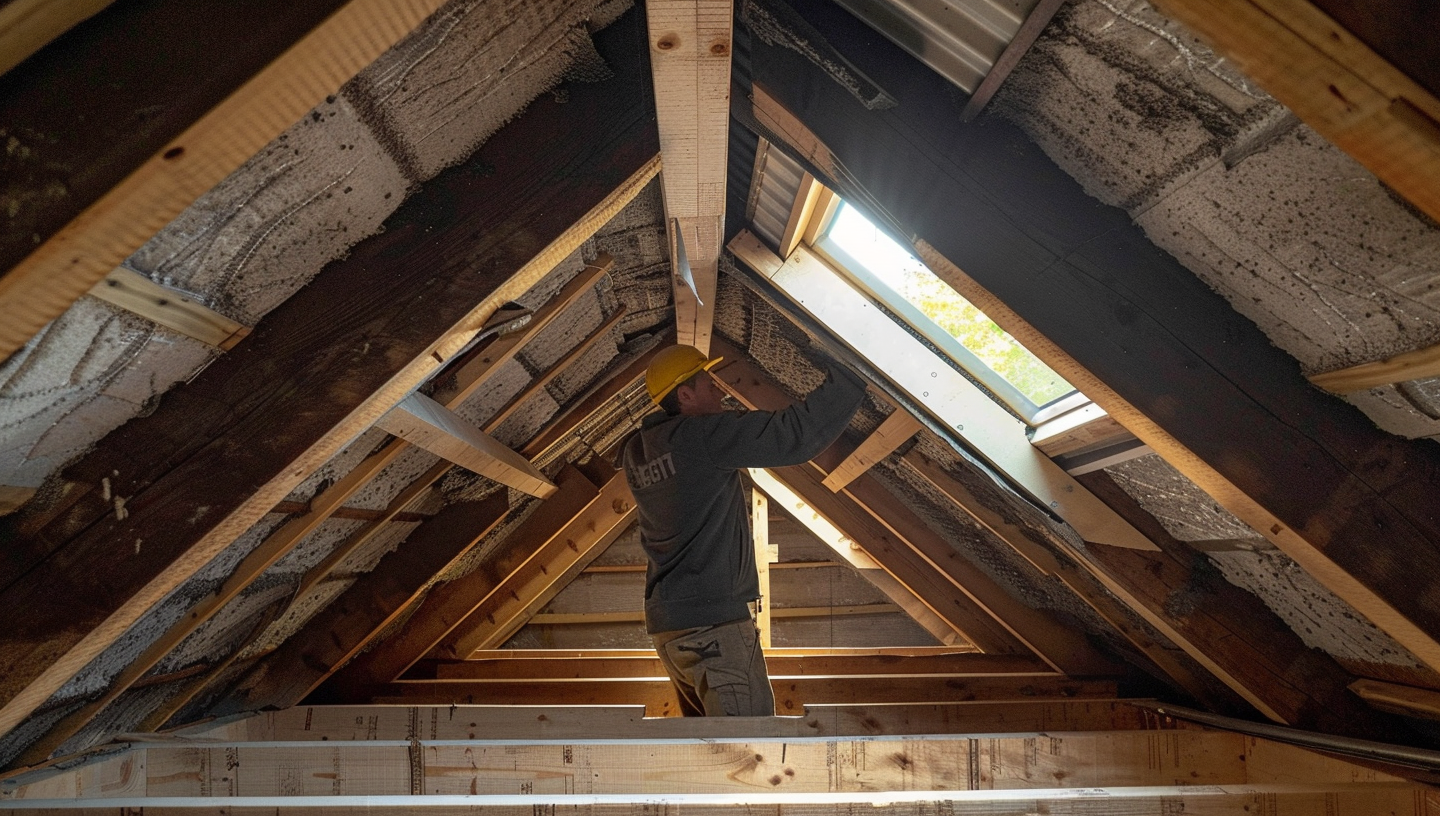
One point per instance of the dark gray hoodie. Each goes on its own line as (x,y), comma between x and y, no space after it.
(694,514)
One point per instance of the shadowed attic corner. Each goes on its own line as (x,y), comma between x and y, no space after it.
(278,469)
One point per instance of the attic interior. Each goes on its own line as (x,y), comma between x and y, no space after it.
(318,343)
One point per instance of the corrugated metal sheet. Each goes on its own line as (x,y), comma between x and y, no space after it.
(959,40)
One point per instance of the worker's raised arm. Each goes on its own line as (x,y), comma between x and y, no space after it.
(791,435)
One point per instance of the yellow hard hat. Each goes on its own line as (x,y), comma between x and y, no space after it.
(674,366)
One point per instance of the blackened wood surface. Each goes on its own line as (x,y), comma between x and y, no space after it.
(310,362)
(100,100)
(1235,629)
(1085,276)
(346,624)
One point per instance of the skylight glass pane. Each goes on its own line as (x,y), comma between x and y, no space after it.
(912,280)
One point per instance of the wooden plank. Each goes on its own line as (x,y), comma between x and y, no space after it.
(1233,633)
(760,529)
(254,89)
(1398,699)
(448,604)
(427,424)
(895,431)
(1411,365)
(813,665)
(133,292)
(344,723)
(1334,82)
(221,450)
(796,226)
(26,26)
(1062,647)
(1118,609)
(690,55)
(777,613)
(11,498)
(792,695)
(339,631)
(1077,429)
(608,513)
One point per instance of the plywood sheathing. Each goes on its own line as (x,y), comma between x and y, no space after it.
(1322,620)
(1295,234)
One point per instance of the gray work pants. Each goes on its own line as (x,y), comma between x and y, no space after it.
(718,670)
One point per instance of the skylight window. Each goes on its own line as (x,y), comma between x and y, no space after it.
(954,325)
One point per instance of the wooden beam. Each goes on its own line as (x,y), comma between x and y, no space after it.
(760,528)
(1399,699)
(797,226)
(1334,82)
(254,90)
(448,604)
(222,449)
(1077,429)
(605,517)
(792,695)
(339,631)
(1411,365)
(427,424)
(780,666)
(776,613)
(1062,647)
(1232,633)
(1118,610)
(895,431)
(135,293)
(339,725)
(690,54)
(26,26)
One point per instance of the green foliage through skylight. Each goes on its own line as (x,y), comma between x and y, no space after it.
(913,281)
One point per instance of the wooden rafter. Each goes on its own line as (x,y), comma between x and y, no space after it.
(1118,609)
(448,604)
(427,424)
(895,431)
(1231,632)
(340,630)
(258,87)
(1411,365)
(896,526)
(186,496)
(690,54)
(27,25)
(505,607)
(167,307)
(1334,82)
(850,552)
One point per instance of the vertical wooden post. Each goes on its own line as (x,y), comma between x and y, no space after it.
(760,523)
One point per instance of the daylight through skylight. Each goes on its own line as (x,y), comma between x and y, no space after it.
(911,280)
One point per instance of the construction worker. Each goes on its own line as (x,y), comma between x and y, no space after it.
(683,466)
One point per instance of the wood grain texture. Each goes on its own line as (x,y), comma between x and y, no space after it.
(193,112)
(133,292)
(427,424)
(340,630)
(221,450)
(895,431)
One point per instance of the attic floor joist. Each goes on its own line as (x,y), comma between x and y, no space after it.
(436,759)
(1350,503)
(412,297)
